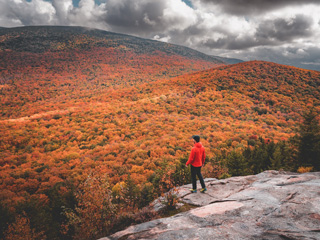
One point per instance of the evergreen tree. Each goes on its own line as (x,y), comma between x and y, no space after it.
(288,152)
(236,164)
(309,140)
(146,195)
(130,192)
(182,173)
(276,159)
(260,158)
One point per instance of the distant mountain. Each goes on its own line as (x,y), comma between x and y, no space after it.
(46,38)
(38,39)
(229,60)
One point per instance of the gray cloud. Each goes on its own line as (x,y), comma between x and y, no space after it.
(285,29)
(252,7)
(134,16)
(189,34)
(231,42)
(146,18)
(268,33)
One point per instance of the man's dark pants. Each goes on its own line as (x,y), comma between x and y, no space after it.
(196,171)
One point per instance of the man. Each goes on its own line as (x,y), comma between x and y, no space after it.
(196,159)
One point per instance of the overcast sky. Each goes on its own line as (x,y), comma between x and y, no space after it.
(282,31)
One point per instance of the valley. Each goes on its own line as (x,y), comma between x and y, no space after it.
(76,102)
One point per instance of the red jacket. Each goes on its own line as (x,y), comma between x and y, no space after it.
(197,155)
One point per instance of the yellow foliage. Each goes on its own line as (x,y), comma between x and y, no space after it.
(137,169)
(304,169)
(117,188)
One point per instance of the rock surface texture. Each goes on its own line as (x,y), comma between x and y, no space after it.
(270,205)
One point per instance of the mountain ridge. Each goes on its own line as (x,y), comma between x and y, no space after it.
(103,33)
(230,60)
(134,43)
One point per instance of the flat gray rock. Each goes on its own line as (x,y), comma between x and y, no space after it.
(270,205)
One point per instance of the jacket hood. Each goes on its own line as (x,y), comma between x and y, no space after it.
(198,144)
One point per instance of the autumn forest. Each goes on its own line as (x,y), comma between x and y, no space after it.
(95,125)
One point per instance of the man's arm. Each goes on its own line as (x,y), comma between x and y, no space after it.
(203,156)
(191,158)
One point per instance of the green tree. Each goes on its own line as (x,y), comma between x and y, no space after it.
(130,192)
(236,164)
(182,173)
(276,159)
(309,140)
(146,195)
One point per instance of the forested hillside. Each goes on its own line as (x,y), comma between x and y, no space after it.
(115,107)
(43,67)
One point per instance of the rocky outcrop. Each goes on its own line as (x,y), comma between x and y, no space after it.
(270,205)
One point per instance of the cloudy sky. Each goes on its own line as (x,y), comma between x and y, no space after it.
(282,31)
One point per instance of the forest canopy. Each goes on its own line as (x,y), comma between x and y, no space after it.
(115,121)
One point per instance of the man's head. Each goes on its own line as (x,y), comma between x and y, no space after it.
(196,138)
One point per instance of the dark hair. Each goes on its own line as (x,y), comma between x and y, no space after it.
(196,138)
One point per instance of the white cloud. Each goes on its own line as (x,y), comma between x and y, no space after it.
(62,10)
(162,39)
(177,14)
(20,13)
(88,14)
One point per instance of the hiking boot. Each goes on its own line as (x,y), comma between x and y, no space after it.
(203,190)
(193,190)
